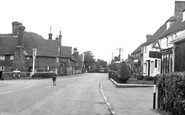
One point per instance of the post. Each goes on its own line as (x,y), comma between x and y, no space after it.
(154,93)
(34,56)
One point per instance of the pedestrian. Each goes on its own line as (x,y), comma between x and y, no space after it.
(1,73)
(54,79)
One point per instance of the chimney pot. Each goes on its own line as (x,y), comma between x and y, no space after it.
(15,25)
(50,36)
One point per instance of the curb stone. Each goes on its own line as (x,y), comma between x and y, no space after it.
(118,85)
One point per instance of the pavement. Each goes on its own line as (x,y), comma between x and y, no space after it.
(129,101)
(2,83)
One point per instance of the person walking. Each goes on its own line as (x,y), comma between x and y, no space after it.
(54,79)
(1,74)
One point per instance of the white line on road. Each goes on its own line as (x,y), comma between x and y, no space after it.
(105,98)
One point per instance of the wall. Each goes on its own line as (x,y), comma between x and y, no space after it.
(147,61)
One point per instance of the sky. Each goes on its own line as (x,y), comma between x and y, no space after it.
(99,26)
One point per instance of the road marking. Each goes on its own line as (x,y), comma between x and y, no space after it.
(105,98)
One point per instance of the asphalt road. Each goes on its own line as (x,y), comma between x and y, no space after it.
(76,95)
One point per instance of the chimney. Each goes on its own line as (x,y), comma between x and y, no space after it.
(20,29)
(19,54)
(75,52)
(179,8)
(148,37)
(50,34)
(15,25)
(60,37)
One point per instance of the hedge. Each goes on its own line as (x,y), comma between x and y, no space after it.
(12,75)
(43,75)
(171,92)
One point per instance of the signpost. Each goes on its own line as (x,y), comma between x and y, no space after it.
(34,56)
(156,55)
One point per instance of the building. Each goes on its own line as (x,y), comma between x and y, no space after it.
(137,60)
(16,52)
(165,38)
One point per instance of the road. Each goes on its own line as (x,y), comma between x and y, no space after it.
(76,95)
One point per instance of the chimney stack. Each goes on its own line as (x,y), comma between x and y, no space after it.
(148,37)
(15,25)
(75,52)
(60,37)
(179,8)
(50,34)
(20,29)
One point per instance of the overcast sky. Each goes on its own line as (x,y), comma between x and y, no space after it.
(99,26)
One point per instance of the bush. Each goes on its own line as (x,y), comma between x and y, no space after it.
(140,77)
(43,75)
(114,76)
(148,78)
(171,92)
(123,73)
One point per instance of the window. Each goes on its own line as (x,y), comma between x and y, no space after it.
(145,49)
(158,66)
(11,57)
(183,15)
(57,59)
(2,57)
(152,65)
(145,68)
(2,68)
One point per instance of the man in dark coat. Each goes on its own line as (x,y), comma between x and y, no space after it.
(54,79)
(1,73)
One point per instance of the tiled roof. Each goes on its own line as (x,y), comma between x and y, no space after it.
(174,27)
(66,51)
(156,35)
(138,49)
(173,18)
(7,45)
(179,27)
(30,41)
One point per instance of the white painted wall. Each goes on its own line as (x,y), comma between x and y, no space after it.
(152,61)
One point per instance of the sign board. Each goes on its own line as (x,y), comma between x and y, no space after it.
(34,52)
(154,54)
(156,45)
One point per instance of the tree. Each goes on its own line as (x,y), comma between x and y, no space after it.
(116,58)
(113,66)
(88,59)
(102,63)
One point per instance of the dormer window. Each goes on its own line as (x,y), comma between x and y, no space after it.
(168,25)
(183,14)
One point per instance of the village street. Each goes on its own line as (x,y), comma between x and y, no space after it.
(73,95)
